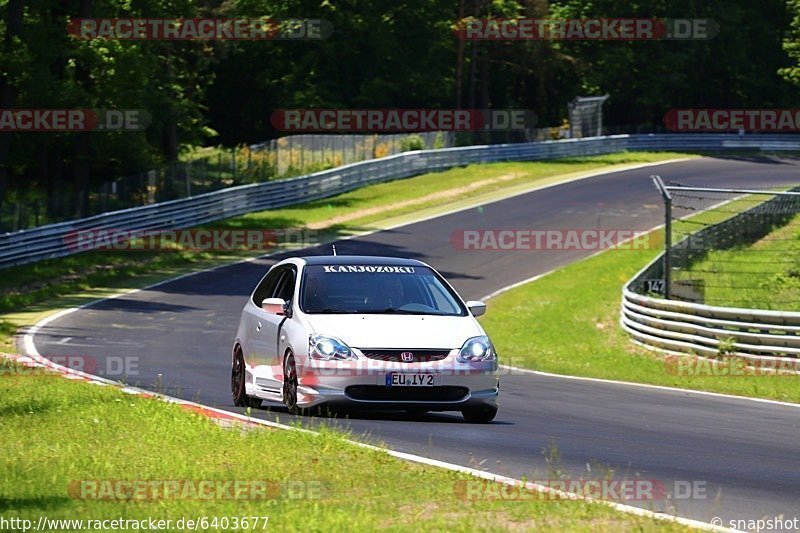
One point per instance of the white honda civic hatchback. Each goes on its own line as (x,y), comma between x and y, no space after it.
(363,332)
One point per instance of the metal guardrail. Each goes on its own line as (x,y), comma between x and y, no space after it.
(690,327)
(53,240)
(705,330)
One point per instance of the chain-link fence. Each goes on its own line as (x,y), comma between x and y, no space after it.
(279,158)
(586,116)
(733,247)
(178,180)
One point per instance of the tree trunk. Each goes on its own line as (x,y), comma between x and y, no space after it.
(82,169)
(459,56)
(8,93)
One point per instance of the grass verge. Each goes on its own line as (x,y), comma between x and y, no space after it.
(761,275)
(29,292)
(313,482)
(568,323)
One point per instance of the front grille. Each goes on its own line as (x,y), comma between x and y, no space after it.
(420,356)
(377,393)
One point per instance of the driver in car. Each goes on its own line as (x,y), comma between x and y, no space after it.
(394,293)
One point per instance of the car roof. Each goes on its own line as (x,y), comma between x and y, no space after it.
(359,260)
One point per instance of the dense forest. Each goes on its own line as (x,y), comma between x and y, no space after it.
(382,54)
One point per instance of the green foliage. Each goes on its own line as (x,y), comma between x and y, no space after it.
(791,44)
(382,54)
(726,346)
(412,142)
(438,141)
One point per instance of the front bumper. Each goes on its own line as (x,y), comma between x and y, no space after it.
(362,383)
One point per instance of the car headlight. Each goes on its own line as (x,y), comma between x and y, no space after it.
(477,349)
(328,348)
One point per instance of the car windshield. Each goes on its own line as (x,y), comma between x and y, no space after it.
(377,289)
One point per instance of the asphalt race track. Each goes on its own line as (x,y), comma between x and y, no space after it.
(744,451)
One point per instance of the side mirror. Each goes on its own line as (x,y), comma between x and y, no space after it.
(476,308)
(276,306)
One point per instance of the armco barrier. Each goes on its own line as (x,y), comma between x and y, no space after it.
(703,329)
(681,326)
(49,241)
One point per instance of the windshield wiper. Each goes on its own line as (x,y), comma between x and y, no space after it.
(329,311)
(402,311)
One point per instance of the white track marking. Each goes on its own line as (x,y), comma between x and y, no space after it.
(648,386)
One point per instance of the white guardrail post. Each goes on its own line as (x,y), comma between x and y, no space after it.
(52,241)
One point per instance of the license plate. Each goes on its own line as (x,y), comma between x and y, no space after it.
(401,379)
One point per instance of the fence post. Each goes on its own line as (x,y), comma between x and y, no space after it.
(667,234)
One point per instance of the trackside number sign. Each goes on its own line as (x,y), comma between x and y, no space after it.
(654,285)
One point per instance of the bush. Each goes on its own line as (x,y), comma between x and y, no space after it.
(412,142)
(438,141)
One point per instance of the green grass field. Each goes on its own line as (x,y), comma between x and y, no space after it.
(73,450)
(762,275)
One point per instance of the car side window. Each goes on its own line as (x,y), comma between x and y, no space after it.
(285,288)
(267,286)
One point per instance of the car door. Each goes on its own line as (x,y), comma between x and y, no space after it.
(256,353)
(267,325)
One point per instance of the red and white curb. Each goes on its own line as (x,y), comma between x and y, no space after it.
(235,420)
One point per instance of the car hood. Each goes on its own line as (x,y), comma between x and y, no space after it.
(397,331)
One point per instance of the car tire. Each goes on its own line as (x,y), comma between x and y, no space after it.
(290,384)
(240,398)
(479,415)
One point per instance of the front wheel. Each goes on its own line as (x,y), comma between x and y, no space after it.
(240,398)
(481,414)
(290,384)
